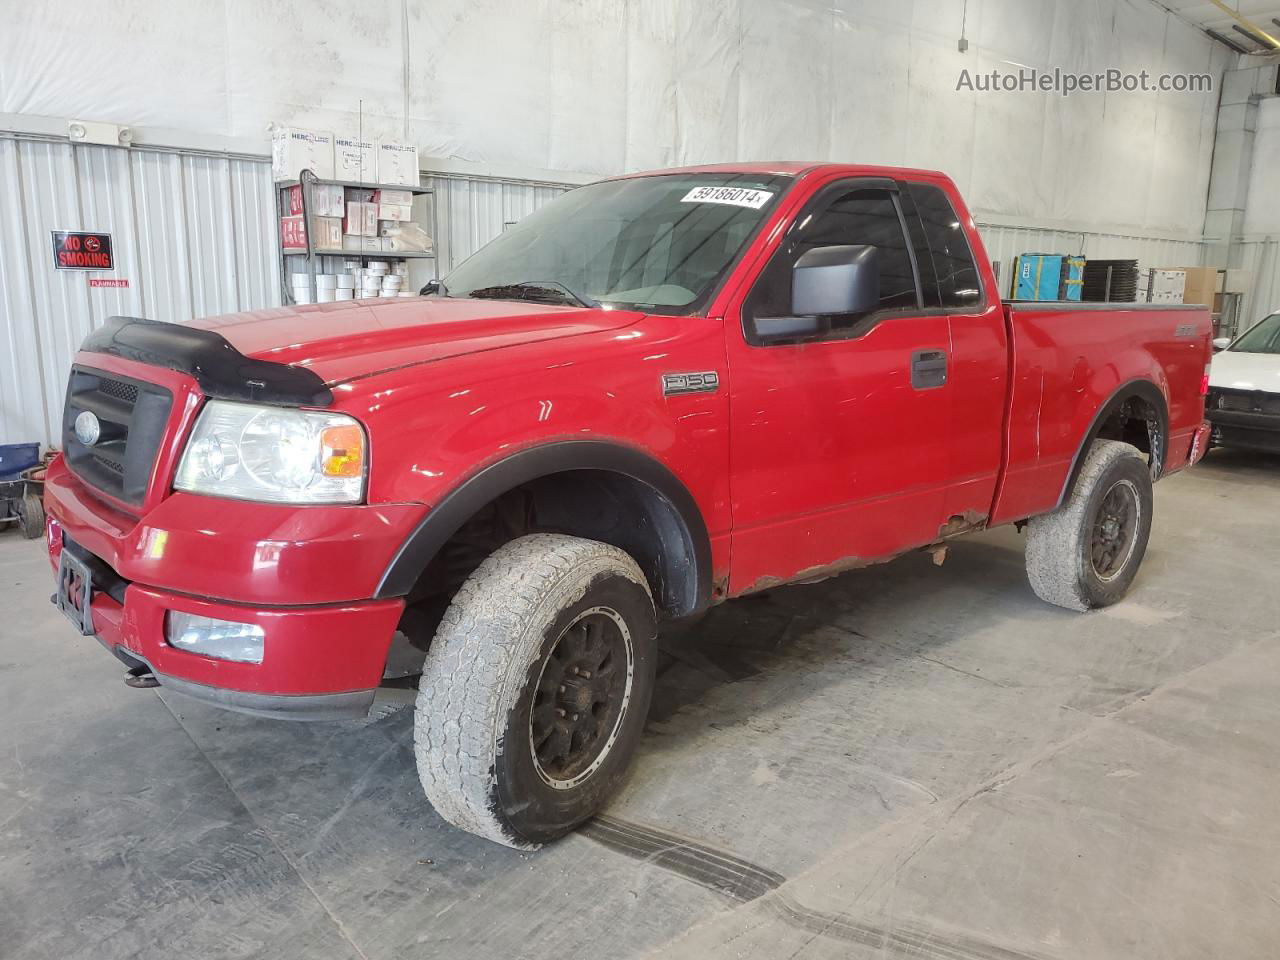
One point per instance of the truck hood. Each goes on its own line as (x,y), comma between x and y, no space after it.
(346,341)
(1232,370)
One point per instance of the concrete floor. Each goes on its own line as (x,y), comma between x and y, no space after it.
(905,761)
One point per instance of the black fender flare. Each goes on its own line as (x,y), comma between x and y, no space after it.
(1142,389)
(464,501)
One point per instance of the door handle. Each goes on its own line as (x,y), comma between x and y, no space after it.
(928,369)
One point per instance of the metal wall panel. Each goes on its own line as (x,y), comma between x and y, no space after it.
(193,235)
(22,411)
(1258,263)
(472,212)
(1005,243)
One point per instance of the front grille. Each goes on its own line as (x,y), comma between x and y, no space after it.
(127,392)
(109,465)
(1244,401)
(132,417)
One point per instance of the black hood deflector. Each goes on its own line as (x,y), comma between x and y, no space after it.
(221,370)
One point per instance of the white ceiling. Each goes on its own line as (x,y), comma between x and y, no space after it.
(1263,13)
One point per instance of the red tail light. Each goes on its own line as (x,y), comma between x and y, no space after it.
(1204,382)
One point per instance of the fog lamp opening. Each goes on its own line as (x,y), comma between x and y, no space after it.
(210,637)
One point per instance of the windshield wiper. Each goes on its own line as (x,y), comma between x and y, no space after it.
(533,290)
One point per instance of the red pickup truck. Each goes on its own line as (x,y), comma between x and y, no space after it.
(656,393)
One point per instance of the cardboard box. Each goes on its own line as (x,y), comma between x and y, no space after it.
(294,149)
(329,200)
(395,212)
(361,219)
(1163,286)
(393,196)
(326,200)
(1201,286)
(355,159)
(397,163)
(326,233)
(293,233)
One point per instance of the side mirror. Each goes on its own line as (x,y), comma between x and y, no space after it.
(430,288)
(826,282)
(1221,343)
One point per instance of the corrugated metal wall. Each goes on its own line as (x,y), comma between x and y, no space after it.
(192,234)
(1004,243)
(472,212)
(1259,263)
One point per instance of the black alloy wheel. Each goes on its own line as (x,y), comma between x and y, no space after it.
(582,693)
(1115,530)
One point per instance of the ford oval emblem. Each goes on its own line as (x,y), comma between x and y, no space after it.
(88,429)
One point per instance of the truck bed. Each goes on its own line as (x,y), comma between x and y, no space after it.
(1067,359)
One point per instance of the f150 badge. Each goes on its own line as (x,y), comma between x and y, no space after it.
(674,384)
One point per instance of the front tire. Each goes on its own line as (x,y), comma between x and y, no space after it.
(1086,553)
(535,689)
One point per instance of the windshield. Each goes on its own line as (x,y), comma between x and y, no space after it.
(659,243)
(1263,338)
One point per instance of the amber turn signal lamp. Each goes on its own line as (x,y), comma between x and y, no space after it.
(342,451)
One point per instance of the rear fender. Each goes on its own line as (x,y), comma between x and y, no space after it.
(1144,390)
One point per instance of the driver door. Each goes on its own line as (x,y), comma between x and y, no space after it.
(840,446)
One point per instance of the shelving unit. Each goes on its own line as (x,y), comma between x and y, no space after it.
(314,256)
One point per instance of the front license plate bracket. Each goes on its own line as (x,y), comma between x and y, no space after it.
(75,592)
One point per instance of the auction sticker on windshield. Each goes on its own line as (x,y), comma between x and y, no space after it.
(737,196)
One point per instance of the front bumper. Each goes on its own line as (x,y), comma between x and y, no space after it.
(1251,431)
(258,554)
(319,663)
(302,574)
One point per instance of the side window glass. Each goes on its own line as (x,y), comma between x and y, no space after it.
(957,275)
(866,216)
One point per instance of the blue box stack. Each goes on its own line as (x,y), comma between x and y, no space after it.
(1048,276)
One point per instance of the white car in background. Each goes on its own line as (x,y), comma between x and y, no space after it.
(1244,389)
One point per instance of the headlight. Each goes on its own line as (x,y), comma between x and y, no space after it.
(273,454)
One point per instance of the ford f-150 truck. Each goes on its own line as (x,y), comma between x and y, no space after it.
(656,393)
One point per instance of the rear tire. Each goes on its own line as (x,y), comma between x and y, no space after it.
(535,689)
(1086,553)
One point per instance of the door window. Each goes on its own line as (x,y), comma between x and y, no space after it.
(954,272)
(853,216)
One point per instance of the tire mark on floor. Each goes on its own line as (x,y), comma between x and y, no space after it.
(745,882)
